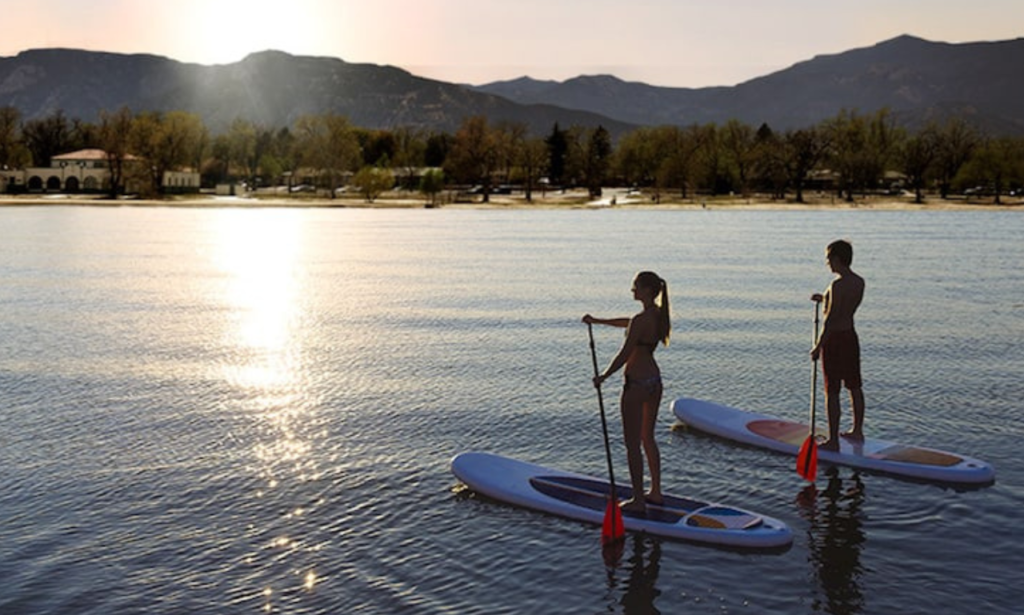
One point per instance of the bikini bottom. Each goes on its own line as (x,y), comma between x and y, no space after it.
(651,386)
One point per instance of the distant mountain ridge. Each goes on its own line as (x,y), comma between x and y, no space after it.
(270,88)
(916,79)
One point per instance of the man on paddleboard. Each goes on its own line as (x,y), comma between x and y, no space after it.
(838,345)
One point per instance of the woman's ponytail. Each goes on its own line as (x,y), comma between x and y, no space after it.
(664,322)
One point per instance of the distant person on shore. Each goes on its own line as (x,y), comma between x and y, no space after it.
(641,394)
(838,345)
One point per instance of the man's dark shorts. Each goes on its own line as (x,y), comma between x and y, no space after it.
(840,360)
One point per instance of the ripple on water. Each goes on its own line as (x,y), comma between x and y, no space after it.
(231,411)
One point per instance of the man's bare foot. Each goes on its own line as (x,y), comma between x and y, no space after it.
(636,505)
(829,445)
(655,499)
(853,435)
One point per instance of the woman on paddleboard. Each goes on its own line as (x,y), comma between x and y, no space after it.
(641,394)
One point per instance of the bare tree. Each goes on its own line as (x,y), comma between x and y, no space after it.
(533,160)
(12,150)
(115,131)
(804,150)
(956,142)
(740,145)
(47,137)
(637,157)
(916,156)
(410,149)
(474,154)
(771,163)
(679,149)
(994,165)
(862,147)
(327,144)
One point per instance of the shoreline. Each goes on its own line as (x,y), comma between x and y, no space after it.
(569,200)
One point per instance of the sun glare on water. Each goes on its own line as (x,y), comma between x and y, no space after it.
(257,254)
(262,282)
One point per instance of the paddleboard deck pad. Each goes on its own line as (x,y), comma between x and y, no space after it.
(770,432)
(583,498)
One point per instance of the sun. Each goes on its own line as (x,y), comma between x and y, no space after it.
(227,32)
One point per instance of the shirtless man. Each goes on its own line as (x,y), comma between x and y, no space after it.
(838,345)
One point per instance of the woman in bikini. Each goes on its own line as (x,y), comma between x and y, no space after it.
(641,395)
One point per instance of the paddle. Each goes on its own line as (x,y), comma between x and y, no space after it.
(807,459)
(612,529)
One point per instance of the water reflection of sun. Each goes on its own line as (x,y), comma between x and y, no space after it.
(258,256)
(260,288)
(257,253)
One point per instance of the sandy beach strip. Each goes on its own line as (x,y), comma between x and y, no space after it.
(574,199)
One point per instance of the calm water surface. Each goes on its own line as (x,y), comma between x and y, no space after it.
(251,411)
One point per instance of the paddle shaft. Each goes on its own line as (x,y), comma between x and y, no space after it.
(604,421)
(814,369)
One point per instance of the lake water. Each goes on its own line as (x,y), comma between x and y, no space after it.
(252,411)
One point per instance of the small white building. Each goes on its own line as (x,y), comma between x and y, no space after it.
(180,182)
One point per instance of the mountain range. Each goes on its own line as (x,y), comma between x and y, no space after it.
(269,88)
(914,78)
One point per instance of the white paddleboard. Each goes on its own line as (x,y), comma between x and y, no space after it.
(773,433)
(580,497)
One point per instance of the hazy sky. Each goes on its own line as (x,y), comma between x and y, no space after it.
(689,43)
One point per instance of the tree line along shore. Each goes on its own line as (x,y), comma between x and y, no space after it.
(847,159)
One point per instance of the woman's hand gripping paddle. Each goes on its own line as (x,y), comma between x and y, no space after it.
(613,530)
(807,459)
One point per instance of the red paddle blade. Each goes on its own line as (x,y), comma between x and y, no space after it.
(807,459)
(613,527)
(613,534)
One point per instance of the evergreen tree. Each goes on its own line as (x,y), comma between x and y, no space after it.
(558,152)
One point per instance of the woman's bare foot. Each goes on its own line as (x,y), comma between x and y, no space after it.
(853,435)
(636,505)
(655,499)
(829,445)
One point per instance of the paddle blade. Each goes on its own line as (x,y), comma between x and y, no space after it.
(613,527)
(613,534)
(807,459)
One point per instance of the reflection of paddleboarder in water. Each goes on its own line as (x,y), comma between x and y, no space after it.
(835,538)
(641,588)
